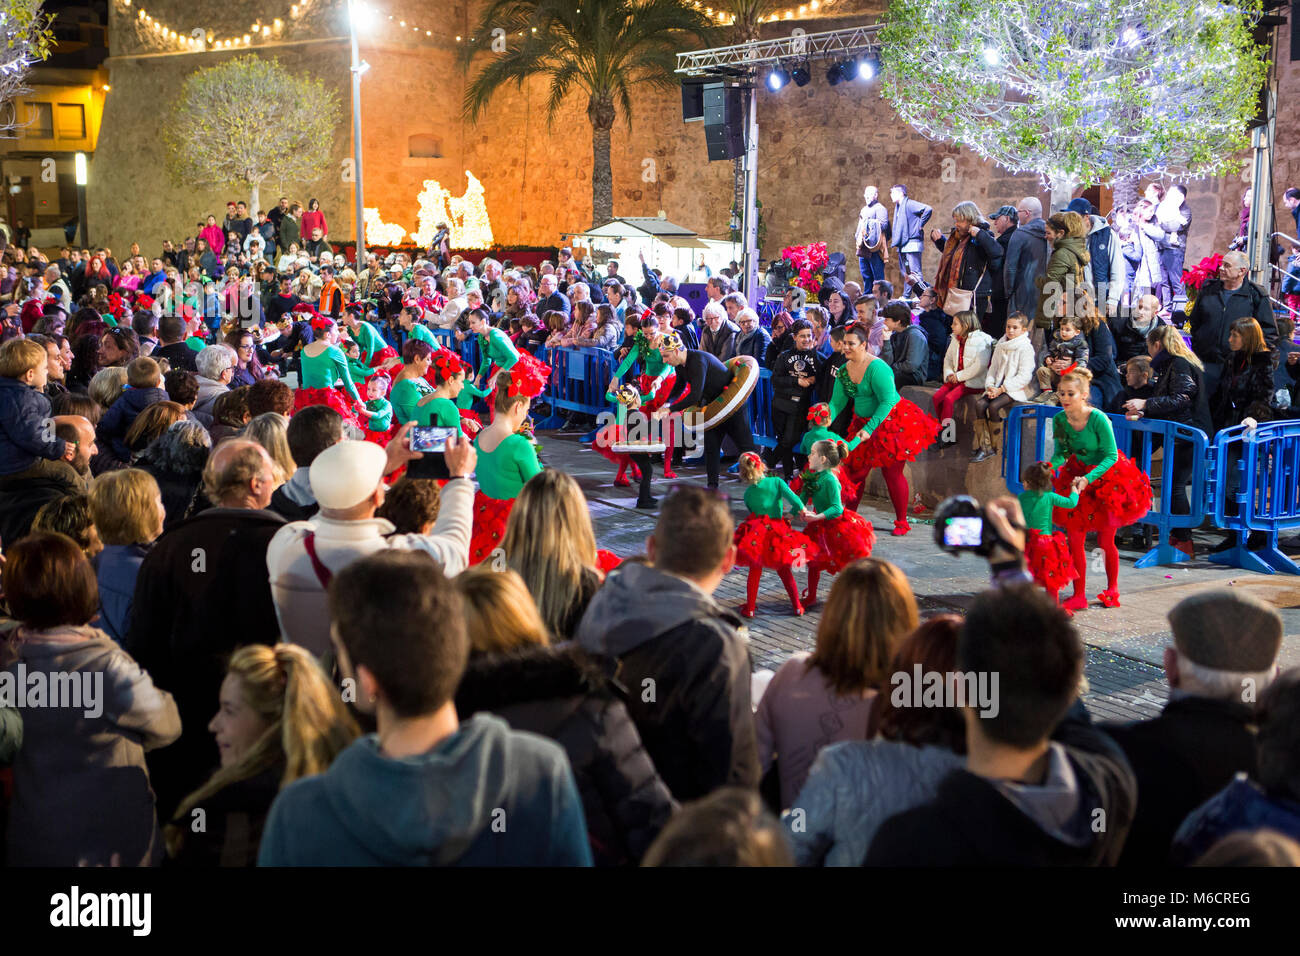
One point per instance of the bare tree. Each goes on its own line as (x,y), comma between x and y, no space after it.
(24,40)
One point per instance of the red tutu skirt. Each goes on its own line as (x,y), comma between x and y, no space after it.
(379,438)
(840,541)
(850,490)
(661,396)
(382,356)
(468,416)
(607,561)
(763,542)
(905,433)
(1049,561)
(490,515)
(335,398)
(1121,496)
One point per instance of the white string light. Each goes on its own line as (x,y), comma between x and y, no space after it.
(258,32)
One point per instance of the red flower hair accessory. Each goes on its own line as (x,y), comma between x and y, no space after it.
(305,307)
(321,323)
(820,414)
(447,364)
(144,301)
(752,458)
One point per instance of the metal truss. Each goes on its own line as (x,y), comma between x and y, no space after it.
(833,44)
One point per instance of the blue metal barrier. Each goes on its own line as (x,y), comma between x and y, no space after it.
(579,379)
(1264,465)
(1150,434)
(760,411)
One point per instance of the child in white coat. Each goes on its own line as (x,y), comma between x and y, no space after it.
(1010,379)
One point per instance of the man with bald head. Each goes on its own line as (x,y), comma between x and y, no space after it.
(202,591)
(21,496)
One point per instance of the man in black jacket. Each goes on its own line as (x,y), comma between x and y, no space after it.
(1041,785)
(310,432)
(794,380)
(171,333)
(1223,655)
(679,655)
(907,350)
(22,496)
(1005,221)
(202,591)
(1219,303)
(937,326)
(701,378)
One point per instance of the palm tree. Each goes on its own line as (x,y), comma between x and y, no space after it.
(601,47)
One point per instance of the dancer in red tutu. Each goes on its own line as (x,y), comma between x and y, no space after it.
(1047,552)
(499,354)
(377,412)
(654,386)
(325,376)
(506,460)
(840,537)
(375,352)
(1114,493)
(765,539)
(819,429)
(439,407)
(887,430)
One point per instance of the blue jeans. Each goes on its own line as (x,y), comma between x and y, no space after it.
(873,270)
(1171,276)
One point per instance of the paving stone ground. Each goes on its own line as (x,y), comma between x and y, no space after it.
(1124,645)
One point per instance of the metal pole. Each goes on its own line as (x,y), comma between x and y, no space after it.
(1259,233)
(81,216)
(356,141)
(749,232)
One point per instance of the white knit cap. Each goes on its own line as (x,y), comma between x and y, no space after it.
(347,473)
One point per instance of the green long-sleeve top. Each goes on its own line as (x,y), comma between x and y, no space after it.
(323,370)
(497,348)
(406,394)
(873,398)
(767,497)
(382,419)
(652,362)
(368,340)
(468,393)
(1094,445)
(438,411)
(360,372)
(503,471)
(815,434)
(421,334)
(821,490)
(1038,505)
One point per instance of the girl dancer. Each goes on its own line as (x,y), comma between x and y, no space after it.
(506,460)
(886,432)
(765,539)
(654,386)
(325,376)
(377,413)
(1047,552)
(1114,493)
(375,352)
(499,354)
(840,536)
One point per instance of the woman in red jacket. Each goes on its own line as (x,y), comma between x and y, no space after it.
(313,218)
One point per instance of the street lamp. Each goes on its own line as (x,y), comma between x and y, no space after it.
(81,199)
(359,18)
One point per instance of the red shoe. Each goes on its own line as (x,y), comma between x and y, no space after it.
(622,482)
(808,600)
(1076,603)
(797,611)
(670,475)
(745,611)
(901,527)
(1109,598)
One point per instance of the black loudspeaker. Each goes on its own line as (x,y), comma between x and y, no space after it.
(724,121)
(692,101)
(1295,30)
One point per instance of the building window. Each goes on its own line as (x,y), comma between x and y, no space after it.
(40,121)
(72,121)
(424,145)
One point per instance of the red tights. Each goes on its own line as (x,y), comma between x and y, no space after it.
(1105,541)
(895,484)
(751,587)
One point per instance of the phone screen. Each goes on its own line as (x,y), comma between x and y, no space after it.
(431,437)
(966,532)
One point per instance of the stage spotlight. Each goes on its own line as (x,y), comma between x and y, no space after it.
(801,76)
(835,75)
(868,67)
(778,78)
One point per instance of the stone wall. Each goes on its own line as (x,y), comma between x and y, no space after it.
(818,145)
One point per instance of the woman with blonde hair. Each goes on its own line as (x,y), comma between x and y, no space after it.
(969,254)
(151,423)
(271,431)
(550,542)
(127,509)
(826,696)
(279,718)
(107,385)
(558,692)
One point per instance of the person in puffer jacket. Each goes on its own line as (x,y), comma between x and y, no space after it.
(1010,379)
(560,693)
(25,411)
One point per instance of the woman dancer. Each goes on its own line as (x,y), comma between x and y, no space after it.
(325,376)
(1114,493)
(840,536)
(440,406)
(499,354)
(375,352)
(887,431)
(506,460)
(411,383)
(765,539)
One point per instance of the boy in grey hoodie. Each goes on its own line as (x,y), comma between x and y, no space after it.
(426,790)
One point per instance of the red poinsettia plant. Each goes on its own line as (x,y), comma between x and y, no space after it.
(1207,268)
(805,264)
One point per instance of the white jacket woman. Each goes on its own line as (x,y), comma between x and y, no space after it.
(1012,368)
(975,356)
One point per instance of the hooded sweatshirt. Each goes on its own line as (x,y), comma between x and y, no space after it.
(684,661)
(485,796)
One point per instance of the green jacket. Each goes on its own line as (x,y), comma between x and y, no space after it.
(1069,256)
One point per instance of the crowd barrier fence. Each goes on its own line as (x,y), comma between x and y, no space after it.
(1256,488)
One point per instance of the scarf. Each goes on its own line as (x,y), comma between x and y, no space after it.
(950,262)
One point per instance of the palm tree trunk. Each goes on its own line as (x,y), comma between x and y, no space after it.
(601,112)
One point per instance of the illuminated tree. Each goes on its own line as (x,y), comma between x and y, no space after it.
(1078,91)
(248,120)
(25,35)
(603,48)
